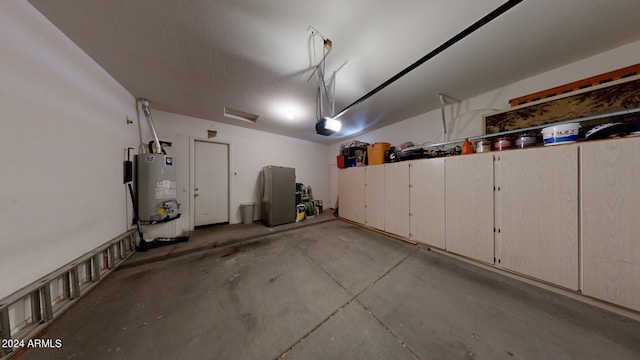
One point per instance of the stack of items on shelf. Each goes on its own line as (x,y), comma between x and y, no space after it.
(358,153)
(604,106)
(407,151)
(599,107)
(353,153)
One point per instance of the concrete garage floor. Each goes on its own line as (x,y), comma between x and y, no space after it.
(331,290)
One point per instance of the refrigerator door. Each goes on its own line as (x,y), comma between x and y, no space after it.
(278,195)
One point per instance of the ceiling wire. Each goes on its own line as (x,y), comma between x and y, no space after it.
(320,71)
(325,41)
(324,64)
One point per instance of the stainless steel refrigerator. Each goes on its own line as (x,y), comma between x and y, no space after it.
(278,195)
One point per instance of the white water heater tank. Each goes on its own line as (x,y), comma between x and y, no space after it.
(156,185)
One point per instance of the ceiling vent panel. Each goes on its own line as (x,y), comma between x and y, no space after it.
(240,115)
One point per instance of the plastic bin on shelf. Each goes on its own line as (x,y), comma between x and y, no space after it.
(375,152)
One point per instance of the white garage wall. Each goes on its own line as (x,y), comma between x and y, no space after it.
(250,150)
(63,133)
(465,118)
(63,137)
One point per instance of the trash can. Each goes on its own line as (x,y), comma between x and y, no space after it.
(246,211)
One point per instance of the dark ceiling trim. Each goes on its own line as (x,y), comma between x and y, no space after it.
(475,26)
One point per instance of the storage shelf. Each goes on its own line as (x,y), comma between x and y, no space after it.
(537,127)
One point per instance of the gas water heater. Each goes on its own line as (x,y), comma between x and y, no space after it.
(156,180)
(156,188)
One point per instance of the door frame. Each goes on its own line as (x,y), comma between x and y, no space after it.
(192,177)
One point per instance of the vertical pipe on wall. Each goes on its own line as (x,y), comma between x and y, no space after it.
(147,114)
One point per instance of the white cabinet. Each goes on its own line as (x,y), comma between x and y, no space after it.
(352,194)
(344,194)
(396,198)
(469,206)
(566,215)
(374,196)
(538,225)
(610,209)
(426,201)
(357,194)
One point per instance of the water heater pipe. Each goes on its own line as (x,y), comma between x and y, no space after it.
(147,114)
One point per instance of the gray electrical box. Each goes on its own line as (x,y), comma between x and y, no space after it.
(156,185)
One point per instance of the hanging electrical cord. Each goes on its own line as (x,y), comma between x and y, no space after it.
(320,71)
(326,48)
(326,44)
(316,71)
(325,125)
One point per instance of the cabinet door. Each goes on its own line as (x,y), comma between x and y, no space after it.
(374,196)
(538,196)
(469,206)
(426,201)
(357,194)
(396,198)
(344,194)
(611,220)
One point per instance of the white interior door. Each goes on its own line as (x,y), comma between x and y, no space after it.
(211,183)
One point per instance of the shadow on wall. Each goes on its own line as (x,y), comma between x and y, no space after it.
(467,124)
(256,197)
(249,196)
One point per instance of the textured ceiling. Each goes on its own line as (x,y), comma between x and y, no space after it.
(194,57)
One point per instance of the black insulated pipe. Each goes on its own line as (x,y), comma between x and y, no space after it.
(475,26)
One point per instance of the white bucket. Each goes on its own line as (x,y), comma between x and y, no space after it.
(560,134)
